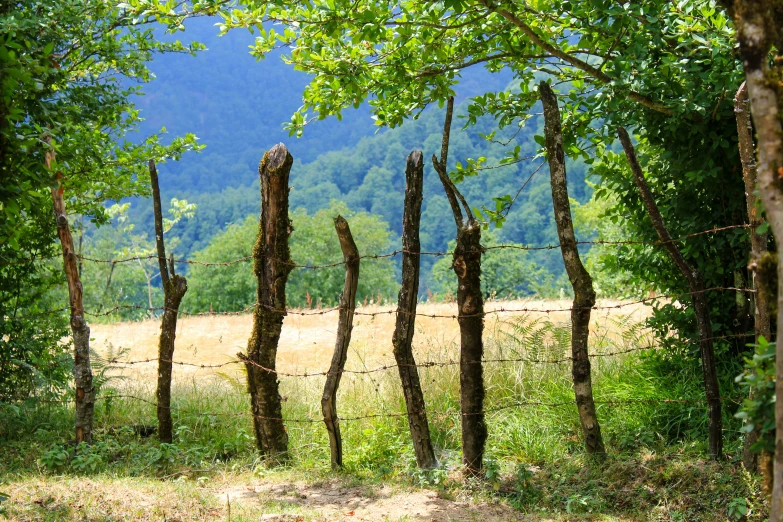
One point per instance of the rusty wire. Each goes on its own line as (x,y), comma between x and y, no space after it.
(301,312)
(390,366)
(443,414)
(378,256)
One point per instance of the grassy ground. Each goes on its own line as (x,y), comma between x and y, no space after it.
(536,470)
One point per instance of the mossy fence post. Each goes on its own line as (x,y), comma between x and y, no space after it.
(467,265)
(402,339)
(582,283)
(344,328)
(174,288)
(758,242)
(82,373)
(271,264)
(698,290)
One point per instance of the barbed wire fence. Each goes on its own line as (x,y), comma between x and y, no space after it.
(498,309)
(394,253)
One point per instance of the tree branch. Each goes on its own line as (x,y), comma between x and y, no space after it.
(164,272)
(574,61)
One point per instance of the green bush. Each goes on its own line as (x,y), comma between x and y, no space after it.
(313,242)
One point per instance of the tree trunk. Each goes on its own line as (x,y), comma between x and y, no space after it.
(758,24)
(82,373)
(272,264)
(467,265)
(406,314)
(344,327)
(582,283)
(758,242)
(697,288)
(174,288)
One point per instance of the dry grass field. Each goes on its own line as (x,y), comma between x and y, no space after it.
(307,341)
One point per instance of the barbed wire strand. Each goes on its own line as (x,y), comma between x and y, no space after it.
(391,311)
(390,366)
(378,256)
(388,415)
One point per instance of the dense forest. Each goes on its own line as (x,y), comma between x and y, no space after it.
(352,160)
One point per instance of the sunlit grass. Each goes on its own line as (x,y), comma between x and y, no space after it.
(534,434)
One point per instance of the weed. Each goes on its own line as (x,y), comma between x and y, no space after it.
(88,459)
(737,509)
(55,458)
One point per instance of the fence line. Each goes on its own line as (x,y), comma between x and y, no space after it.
(390,415)
(386,367)
(301,312)
(379,256)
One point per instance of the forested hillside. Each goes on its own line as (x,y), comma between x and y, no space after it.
(237,107)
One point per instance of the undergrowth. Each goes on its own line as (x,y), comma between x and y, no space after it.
(656,467)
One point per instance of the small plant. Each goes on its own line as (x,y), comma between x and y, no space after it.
(492,472)
(524,491)
(55,458)
(87,459)
(429,477)
(738,509)
(581,504)
(758,410)
(163,456)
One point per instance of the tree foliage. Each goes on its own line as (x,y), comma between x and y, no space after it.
(505,273)
(313,242)
(68,70)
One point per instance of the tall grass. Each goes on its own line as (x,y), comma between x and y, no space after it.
(531,415)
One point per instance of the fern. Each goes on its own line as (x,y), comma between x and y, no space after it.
(103,367)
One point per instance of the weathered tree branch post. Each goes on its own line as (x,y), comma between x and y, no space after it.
(406,313)
(344,327)
(758,242)
(582,283)
(467,265)
(82,373)
(697,289)
(272,264)
(174,288)
(758,24)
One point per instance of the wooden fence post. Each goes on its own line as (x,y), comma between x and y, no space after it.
(272,264)
(758,242)
(467,265)
(344,327)
(82,373)
(174,288)
(582,283)
(406,314)
(697,288)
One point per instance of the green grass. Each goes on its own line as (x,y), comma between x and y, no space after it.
(655,470)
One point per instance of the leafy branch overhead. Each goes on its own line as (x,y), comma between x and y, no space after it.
(403,56)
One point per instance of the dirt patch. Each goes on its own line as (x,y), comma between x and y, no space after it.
(296,501)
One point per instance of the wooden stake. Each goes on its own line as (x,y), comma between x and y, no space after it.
(344,327)
(82,373)
(697,288)
(272,264)
(174,289)
(467,265)
(581,282)
(758,242)
(406,314)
